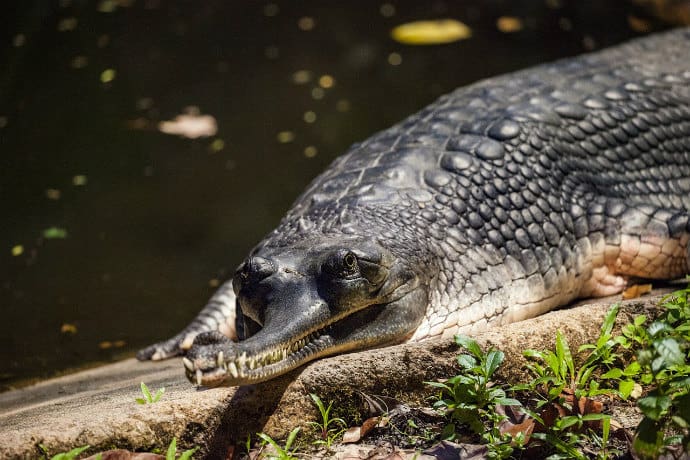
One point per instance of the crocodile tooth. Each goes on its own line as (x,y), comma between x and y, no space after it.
(219,359)
(233,369)
(199,374)
(252,364)
(242,359)
(188,364)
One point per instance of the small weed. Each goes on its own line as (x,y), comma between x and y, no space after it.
(171,453)
(328,429)
(148,397)
(281,453)
(71,455)
(470,398)
(558,371)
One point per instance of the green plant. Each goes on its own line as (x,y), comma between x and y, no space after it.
(148,397)
(71,455)
(281,453)
(565,435)
(663,362)
(559,372)
(328,429)
(171,453)
(470,398)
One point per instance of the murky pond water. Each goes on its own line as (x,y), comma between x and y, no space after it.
(114,233)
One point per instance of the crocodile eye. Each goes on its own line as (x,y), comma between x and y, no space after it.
(342,264)
(350,261)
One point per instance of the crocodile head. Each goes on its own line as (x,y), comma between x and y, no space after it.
(310,300)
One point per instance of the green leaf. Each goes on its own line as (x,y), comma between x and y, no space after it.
(158,395)
(145,391)
(466,361)
(625,387)
(507,402)
(291,438)
(669,350)
(632,369)
(493,359)
(657,327)
(563,352)
(72,454)
(469,344)
(187,454)
(448,432)
(172,449)
(590,417)
(140,401)
(54,233)
(614,373)
(654,406)
(649,439)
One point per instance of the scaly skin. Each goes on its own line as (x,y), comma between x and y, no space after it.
(498,202)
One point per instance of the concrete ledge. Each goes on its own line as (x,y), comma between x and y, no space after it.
(97,406)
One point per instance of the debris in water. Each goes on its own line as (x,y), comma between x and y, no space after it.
(309,116)
(301,77)
(317,93)
(190,124)
(326,81)
(394,59)
(108,75)
(53,194)
(217,145)
(431,32)
(387,10)
(509,24)
(54,233)
(68,328)
(79,180)
(310,151)
(306,23)
(285,137)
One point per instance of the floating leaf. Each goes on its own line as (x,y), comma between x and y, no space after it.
(53,233)
(509,24)
(431,32)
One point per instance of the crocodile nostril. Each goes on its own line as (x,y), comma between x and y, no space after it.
(258,268)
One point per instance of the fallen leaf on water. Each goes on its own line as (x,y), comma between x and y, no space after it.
(190,124)
(509,24)
(68,328)
(53,194)
(53,233)
(636,290)
(431,32)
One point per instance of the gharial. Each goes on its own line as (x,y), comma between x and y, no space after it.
(496,203)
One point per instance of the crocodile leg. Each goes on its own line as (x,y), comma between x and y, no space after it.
(218,315)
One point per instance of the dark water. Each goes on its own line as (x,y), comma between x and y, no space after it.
(141,224)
